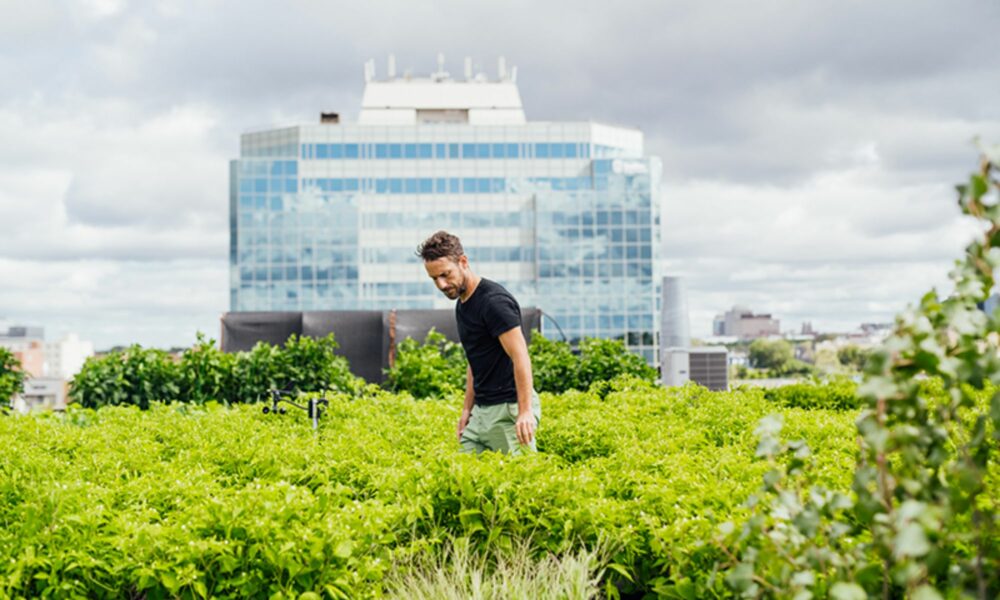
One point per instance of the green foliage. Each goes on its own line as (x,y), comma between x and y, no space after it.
(770,354)
(134,375)
(434,369)
(836,394)
(437,368)
(11,376)
(213,501)
(603,360)
(774,358)
(553,364)
(205,374)
(853,357)
(557,369)
(921,516)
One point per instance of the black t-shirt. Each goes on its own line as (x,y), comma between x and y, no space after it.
(489,312)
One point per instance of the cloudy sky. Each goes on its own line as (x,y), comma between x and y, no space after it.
(809,147)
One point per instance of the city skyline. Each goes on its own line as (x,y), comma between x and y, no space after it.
(809,150)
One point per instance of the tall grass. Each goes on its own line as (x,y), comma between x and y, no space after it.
(458,573)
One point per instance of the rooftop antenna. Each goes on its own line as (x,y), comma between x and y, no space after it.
(391,67)
(513,74)
(502,68)
(440,74)
(370,70)
(468,67)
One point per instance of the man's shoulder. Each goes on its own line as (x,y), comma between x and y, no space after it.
(493,288)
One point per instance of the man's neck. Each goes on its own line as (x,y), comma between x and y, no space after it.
(470,287)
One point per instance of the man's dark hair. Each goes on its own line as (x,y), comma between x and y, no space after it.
(440,245)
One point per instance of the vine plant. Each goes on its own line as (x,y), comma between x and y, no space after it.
(921,518)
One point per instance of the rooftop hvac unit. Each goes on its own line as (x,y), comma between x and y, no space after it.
(707,366)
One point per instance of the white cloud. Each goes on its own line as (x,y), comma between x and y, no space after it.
(113,302)
(838,249)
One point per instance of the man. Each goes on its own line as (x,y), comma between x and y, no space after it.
(501,409)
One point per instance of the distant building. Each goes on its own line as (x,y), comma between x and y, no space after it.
(40,394)
(48,365)
(565,214)
(64,358)
(27,344)
(742,323)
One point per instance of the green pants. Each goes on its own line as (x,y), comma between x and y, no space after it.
(492,428)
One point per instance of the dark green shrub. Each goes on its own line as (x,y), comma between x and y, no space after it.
(553,364)
(207,373)
(769,354)
(838,394)
(304,364)
(135,375)
(603,360)
(11,376)
(204,373)
(437,367)
(434,369)
(853,357)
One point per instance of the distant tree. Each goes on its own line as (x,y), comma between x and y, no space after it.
(853,356)
(11,375)
(770,354)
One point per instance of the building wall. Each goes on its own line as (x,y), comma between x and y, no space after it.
(65,357)
(29,352)
(742,323)
(327,217)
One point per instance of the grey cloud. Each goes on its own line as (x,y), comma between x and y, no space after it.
(765,103)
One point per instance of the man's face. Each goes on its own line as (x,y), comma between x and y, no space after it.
(448,274)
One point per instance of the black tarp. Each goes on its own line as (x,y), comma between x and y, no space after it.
(366,337)
(241,330)
(359,333)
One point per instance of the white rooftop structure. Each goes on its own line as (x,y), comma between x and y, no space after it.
(438,98)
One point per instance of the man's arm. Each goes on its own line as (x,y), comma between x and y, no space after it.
(514,345)
(470,397)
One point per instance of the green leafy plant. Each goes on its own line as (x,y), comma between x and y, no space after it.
(11,376)
(836,394)
(434,369)
(135,375)
(553,364)
(603,360)
(921,520)
(187,500)
(205,374)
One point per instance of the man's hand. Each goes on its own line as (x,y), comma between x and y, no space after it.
(525,427)
(462,422)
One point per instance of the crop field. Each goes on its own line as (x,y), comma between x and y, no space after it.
(211,501)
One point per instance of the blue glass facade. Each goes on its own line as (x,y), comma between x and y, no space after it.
(328,217)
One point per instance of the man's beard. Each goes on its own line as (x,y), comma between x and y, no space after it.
(460,289)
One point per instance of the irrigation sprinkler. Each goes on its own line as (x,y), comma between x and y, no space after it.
(312,406)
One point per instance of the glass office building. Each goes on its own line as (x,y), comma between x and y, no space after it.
(564,214)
